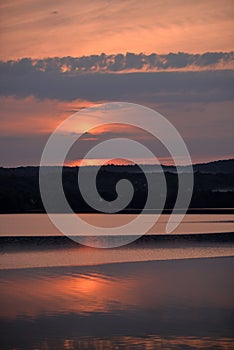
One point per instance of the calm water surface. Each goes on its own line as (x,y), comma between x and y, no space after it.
(183,304)
(160,294)
(40,225)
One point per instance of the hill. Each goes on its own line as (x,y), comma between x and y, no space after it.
(213,186)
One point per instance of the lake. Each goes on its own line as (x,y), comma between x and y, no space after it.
(162,292)
(40,225)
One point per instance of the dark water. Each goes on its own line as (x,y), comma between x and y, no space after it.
(171,304)
(163,292)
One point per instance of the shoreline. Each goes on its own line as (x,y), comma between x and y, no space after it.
(47,252)
(110,264)
(69,242)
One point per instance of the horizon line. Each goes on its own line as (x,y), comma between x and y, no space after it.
(117,165)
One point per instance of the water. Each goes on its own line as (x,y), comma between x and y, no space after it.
(40,225)
(170,304)
(164,292)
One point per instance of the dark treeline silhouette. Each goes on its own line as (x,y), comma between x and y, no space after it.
(19,187)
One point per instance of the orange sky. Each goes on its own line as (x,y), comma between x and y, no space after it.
(35,28)
(27,123)
(40,28)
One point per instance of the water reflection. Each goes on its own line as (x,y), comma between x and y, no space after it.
(40,224)
(150,343)
(150,305)
(32,295)
(41,252)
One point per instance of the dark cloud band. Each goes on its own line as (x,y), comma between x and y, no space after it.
(122,63)
(203,86)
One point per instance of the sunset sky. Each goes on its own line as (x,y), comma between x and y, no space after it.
(174,56)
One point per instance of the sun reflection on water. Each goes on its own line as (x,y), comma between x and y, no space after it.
(150,305)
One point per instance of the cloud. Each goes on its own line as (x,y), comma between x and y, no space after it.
(122,63)
(45,79)
(26,124)
(116,130)
(36,95)
(157,87)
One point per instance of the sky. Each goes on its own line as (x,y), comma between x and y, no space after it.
(57,57)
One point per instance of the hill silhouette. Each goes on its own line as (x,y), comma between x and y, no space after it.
(213,186)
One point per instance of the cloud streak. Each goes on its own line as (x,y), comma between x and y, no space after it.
(39,28)
(122,63)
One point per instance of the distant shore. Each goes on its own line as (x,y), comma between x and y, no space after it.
(137,211)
